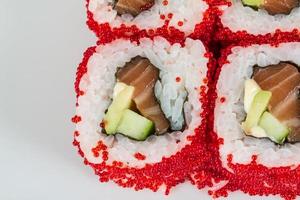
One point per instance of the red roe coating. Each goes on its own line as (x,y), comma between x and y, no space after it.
(139,156)
(253,178)
(170,15)
(205,30)
(165,2)
(170,171)
(76,119)
(180,23)
(81,70)
(222,99)
(76,134)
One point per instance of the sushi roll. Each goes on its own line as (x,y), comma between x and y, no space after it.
(257,119)
(132,16)
(140,111)
(247,19)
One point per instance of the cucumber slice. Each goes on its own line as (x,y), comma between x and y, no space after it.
(253,3)
(276,131)
(258,106)
(135,126)
(122,101)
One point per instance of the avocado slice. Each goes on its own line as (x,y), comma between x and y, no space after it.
(251,89)
(258,106)
(122,101)
(258,132)
(135,126)
(119,87)
(275,130)
(253,3)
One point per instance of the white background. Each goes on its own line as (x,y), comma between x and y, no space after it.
(41,44)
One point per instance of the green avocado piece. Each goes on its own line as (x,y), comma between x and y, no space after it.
(121,102)
(258,106)
(275,130)
(251,89)
(135,126)
(253,3)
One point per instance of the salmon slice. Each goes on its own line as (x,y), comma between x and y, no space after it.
(147,79)
(280,83)
(281,72)
(133,7)
(142,75)
(280,6)
(284,83)
(146,98)
(147,104)
(132,69)
(261,74)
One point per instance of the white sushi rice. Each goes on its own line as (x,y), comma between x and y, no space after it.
(230,114)
(238,18)
(190,12)
(186,62)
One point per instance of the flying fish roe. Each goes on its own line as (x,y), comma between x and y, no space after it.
(222,99)
(139,156)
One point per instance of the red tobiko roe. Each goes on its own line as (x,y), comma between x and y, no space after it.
(227,37)
(253,178)
(139,156)
(170,171)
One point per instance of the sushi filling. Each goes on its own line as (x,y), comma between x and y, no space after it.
(133,7)
(272,103)
(273,7)
(135,110)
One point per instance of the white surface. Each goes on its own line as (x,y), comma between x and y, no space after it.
(41,42)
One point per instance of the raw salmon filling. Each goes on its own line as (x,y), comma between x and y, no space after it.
(133,7)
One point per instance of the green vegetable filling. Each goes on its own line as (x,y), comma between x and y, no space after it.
(259,122)
(120,119)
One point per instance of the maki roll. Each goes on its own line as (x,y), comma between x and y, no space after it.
(244,19)
(137,15)
(257,118)
(139,107)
